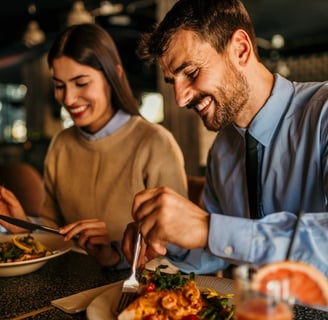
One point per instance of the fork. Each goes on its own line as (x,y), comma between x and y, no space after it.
(130,285)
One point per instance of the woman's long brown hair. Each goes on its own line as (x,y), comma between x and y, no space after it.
(91,45)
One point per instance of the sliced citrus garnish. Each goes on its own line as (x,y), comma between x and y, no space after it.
(22,245)
(306,283)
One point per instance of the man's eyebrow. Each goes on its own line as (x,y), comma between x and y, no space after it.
(181,67)
(176,71)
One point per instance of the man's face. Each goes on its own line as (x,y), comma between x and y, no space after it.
(204,80)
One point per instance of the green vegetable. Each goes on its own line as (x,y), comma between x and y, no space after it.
(217,306)
(8,251)
(163,280)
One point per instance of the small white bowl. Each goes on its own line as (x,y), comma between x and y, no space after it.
(53,242)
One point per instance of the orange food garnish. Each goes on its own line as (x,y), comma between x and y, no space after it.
(306,283)
(22,245)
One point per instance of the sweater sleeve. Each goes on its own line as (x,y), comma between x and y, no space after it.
(50,214)
(163,162)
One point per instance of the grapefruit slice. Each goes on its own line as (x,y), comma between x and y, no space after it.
(307,284)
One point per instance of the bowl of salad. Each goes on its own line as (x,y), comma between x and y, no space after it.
(25,253)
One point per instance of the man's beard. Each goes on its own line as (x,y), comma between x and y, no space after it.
(229,100)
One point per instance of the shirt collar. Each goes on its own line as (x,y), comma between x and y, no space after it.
(119,119)
(263,126)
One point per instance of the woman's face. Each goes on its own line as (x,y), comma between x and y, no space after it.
(84,92)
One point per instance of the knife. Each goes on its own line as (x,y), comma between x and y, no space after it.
(28,225)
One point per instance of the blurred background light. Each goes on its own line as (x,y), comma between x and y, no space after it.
(152,107)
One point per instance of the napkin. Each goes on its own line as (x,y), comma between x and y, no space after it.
(79,302)
(153,264)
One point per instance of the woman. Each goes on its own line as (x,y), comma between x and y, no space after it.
(94,168)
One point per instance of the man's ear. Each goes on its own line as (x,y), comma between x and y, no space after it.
(241,46)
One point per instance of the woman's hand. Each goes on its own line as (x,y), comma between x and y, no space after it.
(92,236)
(11,207)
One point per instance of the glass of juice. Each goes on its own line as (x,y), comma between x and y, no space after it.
(254,301)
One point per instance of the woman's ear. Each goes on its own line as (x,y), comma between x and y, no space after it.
(119,70)
(241,46)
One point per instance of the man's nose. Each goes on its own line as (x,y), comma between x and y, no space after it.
(183,93)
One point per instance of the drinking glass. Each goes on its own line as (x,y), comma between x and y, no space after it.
(271,302)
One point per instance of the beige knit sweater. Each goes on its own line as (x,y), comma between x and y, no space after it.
(86,179)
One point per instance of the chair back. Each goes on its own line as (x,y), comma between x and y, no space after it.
(195,188)
(26,183)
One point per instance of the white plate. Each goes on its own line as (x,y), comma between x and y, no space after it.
(53,242)
(101,308)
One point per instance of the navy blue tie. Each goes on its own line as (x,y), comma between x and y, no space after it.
(252,175)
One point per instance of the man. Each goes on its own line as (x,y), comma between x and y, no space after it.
(207,52)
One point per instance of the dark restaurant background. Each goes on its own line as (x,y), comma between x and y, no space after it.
(292,40)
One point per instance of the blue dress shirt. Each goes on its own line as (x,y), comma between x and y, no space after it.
(292,128)
(117,121)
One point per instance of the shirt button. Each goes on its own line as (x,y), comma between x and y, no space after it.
(228,250)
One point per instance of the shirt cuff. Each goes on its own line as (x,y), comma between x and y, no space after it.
(230,237)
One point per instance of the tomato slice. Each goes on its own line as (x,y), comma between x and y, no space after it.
(151,287)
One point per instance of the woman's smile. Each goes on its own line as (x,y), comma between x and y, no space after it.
(77,112)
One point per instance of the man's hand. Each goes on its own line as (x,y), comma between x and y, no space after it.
(128,243)
(164,216)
